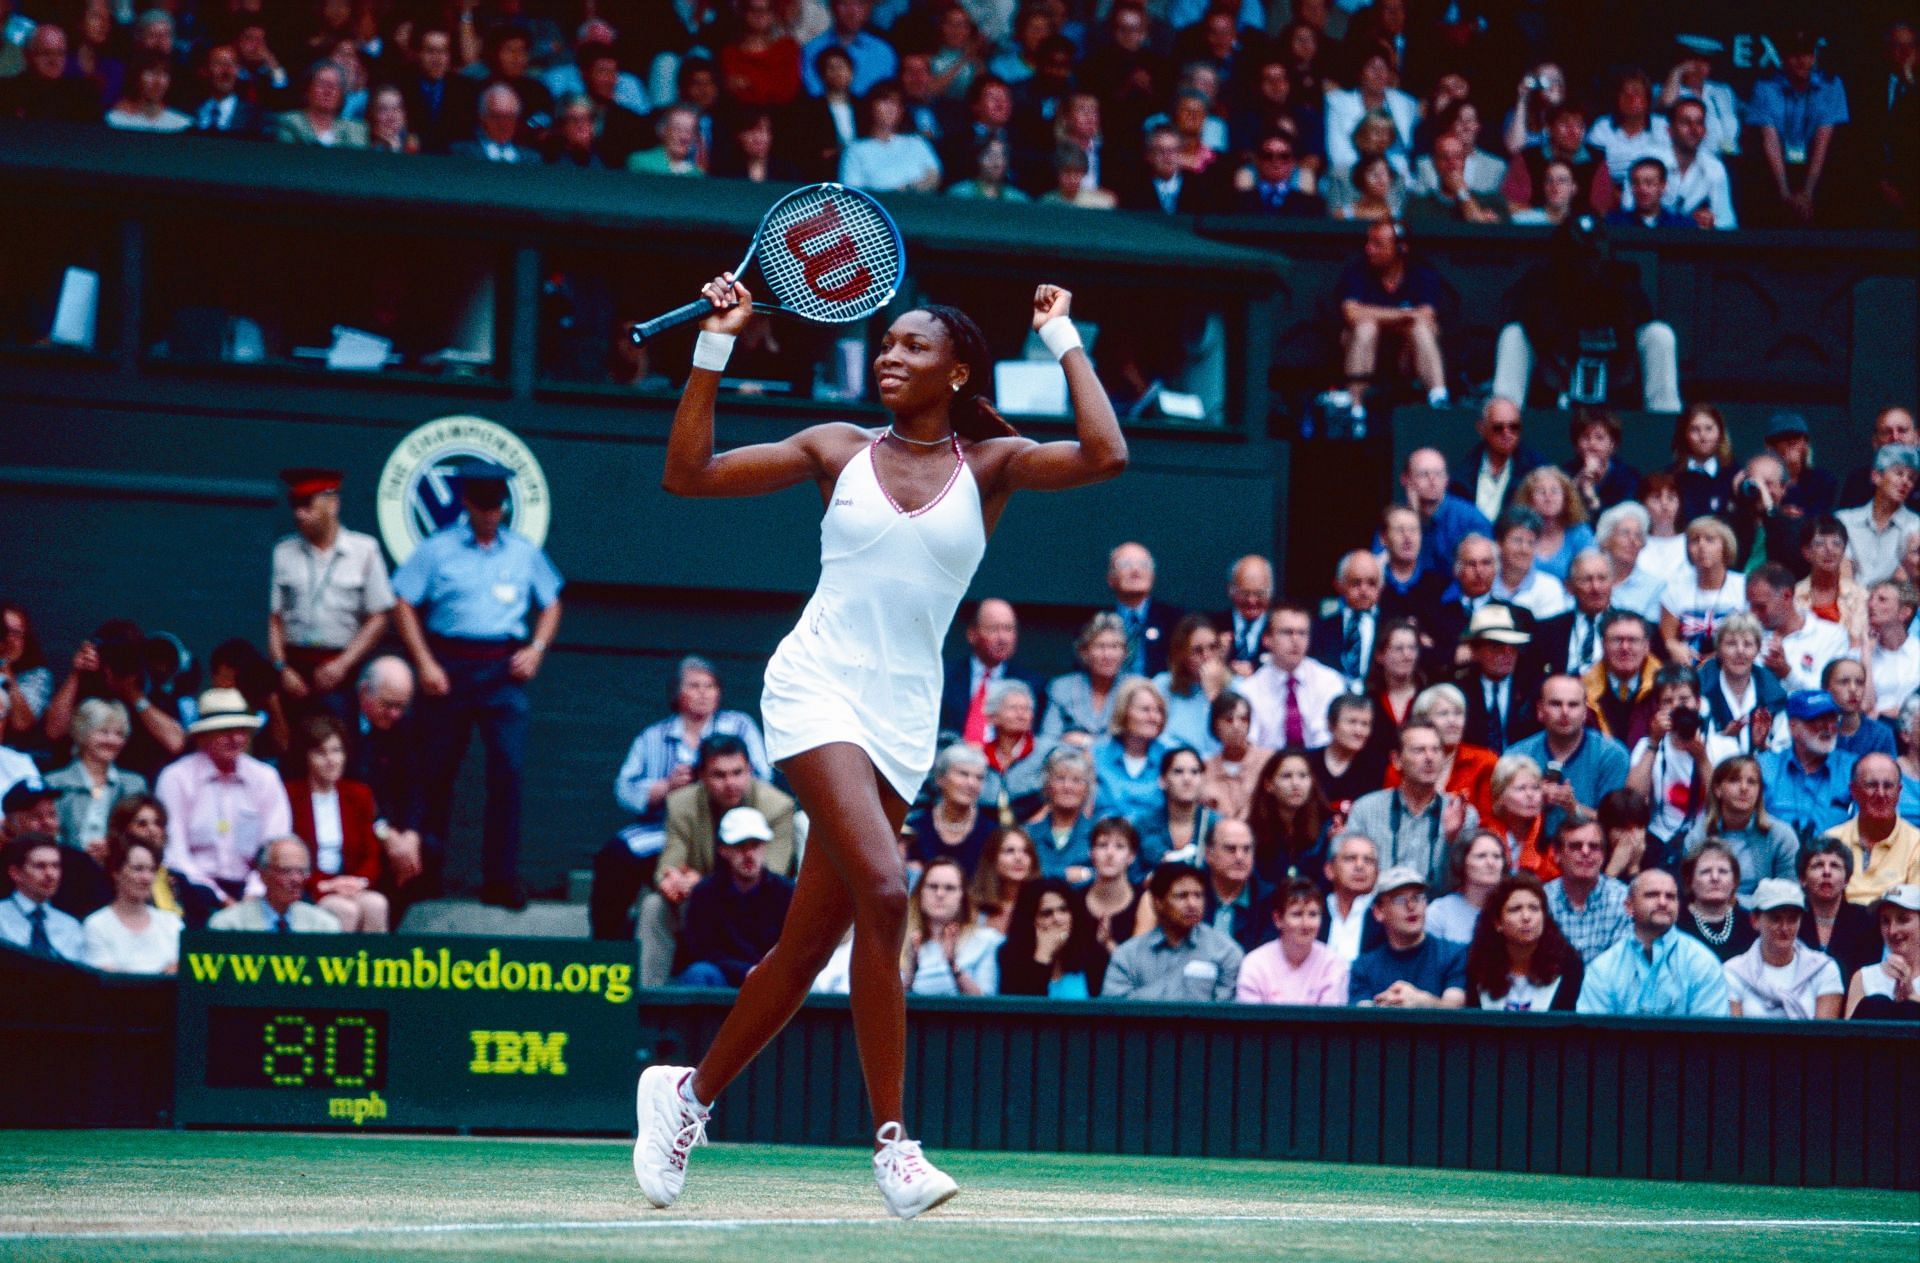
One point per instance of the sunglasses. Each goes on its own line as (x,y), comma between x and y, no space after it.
(1276,155)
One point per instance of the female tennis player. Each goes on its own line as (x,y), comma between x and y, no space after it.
(853,692)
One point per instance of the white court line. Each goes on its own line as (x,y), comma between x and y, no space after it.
(671,1224)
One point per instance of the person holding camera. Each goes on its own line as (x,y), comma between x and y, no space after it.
(1670,764)
(112,665)
(1760,513)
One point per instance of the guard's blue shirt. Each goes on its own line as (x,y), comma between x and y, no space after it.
(1811,803)
(473,592)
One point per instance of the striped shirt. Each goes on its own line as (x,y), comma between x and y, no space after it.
(666,745)
(1599,925)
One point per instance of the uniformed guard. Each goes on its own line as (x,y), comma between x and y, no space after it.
(466,596)
(330,598)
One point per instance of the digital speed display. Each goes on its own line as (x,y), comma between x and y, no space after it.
(339,1049)
(387,1031)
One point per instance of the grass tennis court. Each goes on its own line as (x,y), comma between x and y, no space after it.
(207,1196)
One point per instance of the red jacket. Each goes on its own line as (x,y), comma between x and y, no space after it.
(360,852)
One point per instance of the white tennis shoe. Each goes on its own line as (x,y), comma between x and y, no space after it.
(908,1182)
(670,1129)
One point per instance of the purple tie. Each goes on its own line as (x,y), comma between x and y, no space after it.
(1296,719)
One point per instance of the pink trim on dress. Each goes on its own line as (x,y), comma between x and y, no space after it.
(959,463)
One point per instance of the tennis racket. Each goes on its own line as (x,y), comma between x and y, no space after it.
(827,253)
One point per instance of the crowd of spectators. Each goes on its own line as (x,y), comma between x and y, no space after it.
(1459,113)
(1559,737)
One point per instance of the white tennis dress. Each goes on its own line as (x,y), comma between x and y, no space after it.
(863,666)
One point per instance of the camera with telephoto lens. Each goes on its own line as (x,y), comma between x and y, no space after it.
(1686,724)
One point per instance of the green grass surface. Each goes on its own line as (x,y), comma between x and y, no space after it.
(208,1196)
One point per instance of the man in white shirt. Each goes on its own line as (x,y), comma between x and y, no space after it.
(1353,869)
(1291,693)
(1798,648)
(1697,183)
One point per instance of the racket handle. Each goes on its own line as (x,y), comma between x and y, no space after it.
(698,309)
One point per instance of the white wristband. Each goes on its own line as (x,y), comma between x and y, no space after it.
(712,350)
(1060,336)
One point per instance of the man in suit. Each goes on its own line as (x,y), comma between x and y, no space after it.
(1499,462)
(1474,568)
(1274,188)
(993,637)
(619,129)
(1239,904)
(385,756)
(501,130)
(1570,643)
(284,865)
(1149,623)
(724,780)
(44,92)
(225,112)
(1343,634)
(1250,592)
(1161,185)
(988,118)
(1500,699)
(440,104)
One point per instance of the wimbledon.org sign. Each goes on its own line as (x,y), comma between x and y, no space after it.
(417,494)
(363,1030)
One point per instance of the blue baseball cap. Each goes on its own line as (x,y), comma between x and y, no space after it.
(1811,704)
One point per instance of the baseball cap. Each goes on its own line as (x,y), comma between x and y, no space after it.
(1811,704)
(1399,877)
(1778,892)
(1905,896)
(744,824)
(1782,424)
(25,796)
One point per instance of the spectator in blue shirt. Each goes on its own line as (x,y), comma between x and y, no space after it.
(1126,762)
(1646,197)
(1445,519)
(872,57)
(1796,112)
(1582,764)
(1412,969)
(1809,783)
(466,597)
(1859,734)
(1655,971)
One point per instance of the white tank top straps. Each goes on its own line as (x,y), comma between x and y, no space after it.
(863,665)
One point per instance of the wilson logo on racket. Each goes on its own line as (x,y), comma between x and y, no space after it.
(840,253)
(826,253)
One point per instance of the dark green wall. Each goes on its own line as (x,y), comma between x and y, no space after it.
(168,514)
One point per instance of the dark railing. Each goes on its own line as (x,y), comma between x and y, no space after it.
(1742,1101)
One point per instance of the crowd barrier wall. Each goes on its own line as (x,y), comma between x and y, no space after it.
(1811,1103)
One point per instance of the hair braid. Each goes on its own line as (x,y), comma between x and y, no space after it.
(982,420)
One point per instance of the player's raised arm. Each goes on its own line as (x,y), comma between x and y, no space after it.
(1098,451)
(692,467)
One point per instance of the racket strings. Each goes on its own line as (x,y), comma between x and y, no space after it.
(829,256)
